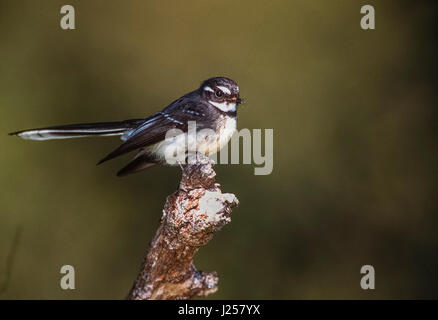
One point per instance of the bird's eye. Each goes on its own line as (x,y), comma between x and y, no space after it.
(218,93)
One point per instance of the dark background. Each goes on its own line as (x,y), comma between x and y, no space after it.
(355,153)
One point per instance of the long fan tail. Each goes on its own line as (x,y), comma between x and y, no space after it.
(79,130)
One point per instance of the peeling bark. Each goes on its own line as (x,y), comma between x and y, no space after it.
(191,216)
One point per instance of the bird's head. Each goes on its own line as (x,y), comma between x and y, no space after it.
(221,92)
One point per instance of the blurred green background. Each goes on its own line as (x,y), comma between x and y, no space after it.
(355,154)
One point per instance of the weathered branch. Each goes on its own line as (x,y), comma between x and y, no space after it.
(190,218)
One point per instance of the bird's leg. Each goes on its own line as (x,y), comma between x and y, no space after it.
(197,157)
(192,157)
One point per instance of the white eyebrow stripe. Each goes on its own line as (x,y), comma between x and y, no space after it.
(207,88)
(224,89)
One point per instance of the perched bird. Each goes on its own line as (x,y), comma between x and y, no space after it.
(213,106)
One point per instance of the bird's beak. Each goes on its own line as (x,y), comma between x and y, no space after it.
(238,100)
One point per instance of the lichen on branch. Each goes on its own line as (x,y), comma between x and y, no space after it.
(191,216)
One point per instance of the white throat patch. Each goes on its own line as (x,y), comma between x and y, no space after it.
(224,106)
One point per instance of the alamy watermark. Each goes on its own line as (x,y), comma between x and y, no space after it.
(67,281)
(180,147)
(368,281)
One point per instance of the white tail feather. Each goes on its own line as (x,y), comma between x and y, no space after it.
(49,134)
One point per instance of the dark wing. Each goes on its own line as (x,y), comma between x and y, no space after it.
(141,161)
(154,129)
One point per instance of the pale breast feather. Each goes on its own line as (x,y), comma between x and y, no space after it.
(179,143)
(227,131)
